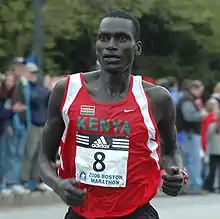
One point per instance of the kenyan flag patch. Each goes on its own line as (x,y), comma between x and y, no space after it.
(87,110)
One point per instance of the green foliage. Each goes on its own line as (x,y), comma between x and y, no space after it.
(15,28)
(180,37)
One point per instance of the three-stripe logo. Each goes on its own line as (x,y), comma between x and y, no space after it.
(82,139)
(120,143)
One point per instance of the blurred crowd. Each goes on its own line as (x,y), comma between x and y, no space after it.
(198,127)
(23,109)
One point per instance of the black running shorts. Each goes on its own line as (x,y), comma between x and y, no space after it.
(144,212)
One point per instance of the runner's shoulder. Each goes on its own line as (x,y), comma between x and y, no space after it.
(157,92)
(62,83)
(149,87)
(58,91)
(91,75)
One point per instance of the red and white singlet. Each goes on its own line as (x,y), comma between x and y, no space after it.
(112,149)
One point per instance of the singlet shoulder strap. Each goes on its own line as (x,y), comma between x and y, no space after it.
(72,87)
(137,77)
(137,82)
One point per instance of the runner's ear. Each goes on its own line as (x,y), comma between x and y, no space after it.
(138,48)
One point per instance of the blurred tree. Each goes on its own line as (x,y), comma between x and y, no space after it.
(15,29)
(180,37)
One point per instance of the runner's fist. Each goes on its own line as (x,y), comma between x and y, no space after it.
(69,194)
(173,181)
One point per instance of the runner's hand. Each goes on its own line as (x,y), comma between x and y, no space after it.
(69,193)
(173,181)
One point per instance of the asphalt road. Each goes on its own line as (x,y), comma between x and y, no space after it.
(184,207)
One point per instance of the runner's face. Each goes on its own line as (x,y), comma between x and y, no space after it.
(115,45)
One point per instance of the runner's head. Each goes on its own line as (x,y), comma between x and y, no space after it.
(118,41)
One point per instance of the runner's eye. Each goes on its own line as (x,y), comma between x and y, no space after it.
(103,38)
(122,38)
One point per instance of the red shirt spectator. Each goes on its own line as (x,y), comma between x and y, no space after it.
(212,108)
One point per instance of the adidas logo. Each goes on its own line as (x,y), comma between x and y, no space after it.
(100,143)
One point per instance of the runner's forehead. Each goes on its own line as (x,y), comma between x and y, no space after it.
(116,25)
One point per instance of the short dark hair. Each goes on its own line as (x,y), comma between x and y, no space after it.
(126,15)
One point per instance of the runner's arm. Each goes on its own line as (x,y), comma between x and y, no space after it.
(170,153)
(51,137)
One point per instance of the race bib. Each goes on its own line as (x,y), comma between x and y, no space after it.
(101,160)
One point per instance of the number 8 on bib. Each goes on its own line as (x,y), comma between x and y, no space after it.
(101,160)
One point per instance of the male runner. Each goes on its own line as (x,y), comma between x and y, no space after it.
(106,125)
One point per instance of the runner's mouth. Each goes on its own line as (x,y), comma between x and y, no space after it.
(111,57)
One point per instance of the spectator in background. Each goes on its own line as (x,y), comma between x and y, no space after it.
(2,77)
(189,116)
(216,94)
(7,146)
(212,109)
(39,97)
(212,106)
(213,149)
(185,85)
(183,88)
(21,122)
(47,82)
(173,88)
